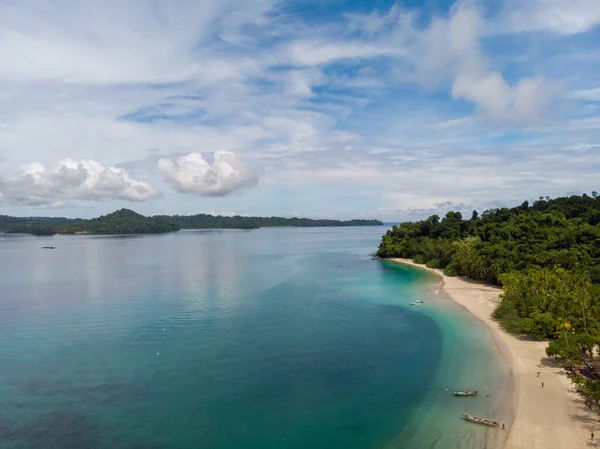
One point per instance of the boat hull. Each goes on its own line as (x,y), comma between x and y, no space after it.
(465,393)
(480,421)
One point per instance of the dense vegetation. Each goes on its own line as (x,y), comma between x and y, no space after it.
(123,221)
(126,221)
(270,222)
(32,225)
(546,257)
(204,221)
(562,232)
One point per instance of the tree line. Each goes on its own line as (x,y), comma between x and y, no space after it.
(126,221)
(546,258)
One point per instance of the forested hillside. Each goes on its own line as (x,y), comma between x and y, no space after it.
(561,232)
(123,221)
(546,257)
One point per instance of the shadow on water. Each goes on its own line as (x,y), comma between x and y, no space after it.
(108,393)
(124,236)
(55,429)
(65,428)
(211,231)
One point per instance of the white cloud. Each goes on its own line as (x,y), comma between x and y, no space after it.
(301,82)
(581,148)
(119,42)
(318,52)
(193,174)
(359,100)
(375,22)
(452,46)
(565,17)
(68,180)
(402,180)
(587,94)
(449,51)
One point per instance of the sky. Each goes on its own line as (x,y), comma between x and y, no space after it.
(330,108)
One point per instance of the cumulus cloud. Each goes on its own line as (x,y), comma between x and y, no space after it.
(36,185)
(193,174)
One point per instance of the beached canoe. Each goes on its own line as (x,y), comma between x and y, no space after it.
(466,393)
(482,421)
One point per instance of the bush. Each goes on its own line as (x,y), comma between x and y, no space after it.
(506,314)
(420,259)
(594,274)
(540,325)
(451,270)
(434,263)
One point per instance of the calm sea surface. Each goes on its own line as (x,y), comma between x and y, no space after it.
(265,339)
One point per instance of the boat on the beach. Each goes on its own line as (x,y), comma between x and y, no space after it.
(416,302)
(482,421)
(466,393)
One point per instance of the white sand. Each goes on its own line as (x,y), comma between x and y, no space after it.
(550,417)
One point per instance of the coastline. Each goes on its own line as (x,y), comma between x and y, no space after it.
(550,417)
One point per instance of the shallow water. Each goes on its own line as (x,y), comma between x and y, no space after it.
(264,339)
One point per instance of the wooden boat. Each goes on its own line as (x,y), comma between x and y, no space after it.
(466,393)
(482,421)
(416,302)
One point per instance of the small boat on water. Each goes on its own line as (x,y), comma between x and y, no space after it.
(482,421)
(466,393)
(416,302)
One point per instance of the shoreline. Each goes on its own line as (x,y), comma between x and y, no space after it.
(551,417)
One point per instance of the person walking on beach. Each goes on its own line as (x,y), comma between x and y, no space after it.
(538,374)
(592,435)
(542,384)
(503,429)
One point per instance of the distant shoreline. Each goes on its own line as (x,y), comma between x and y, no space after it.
(126,221)
(550,417)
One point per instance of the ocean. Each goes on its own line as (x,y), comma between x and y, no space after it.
(265,339)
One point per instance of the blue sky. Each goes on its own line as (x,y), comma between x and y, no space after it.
(330,108)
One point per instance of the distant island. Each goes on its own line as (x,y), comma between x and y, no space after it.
(126,221)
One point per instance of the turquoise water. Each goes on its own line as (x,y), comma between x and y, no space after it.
(273,338)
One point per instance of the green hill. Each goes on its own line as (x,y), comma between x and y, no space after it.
(123,221)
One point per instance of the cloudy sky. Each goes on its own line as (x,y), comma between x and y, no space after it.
(337,108)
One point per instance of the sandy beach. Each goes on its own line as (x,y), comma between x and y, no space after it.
(550,417)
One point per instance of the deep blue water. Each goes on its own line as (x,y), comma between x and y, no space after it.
(274,338)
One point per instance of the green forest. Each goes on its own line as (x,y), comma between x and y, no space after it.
(204,221)
(126,221)
(546,258)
